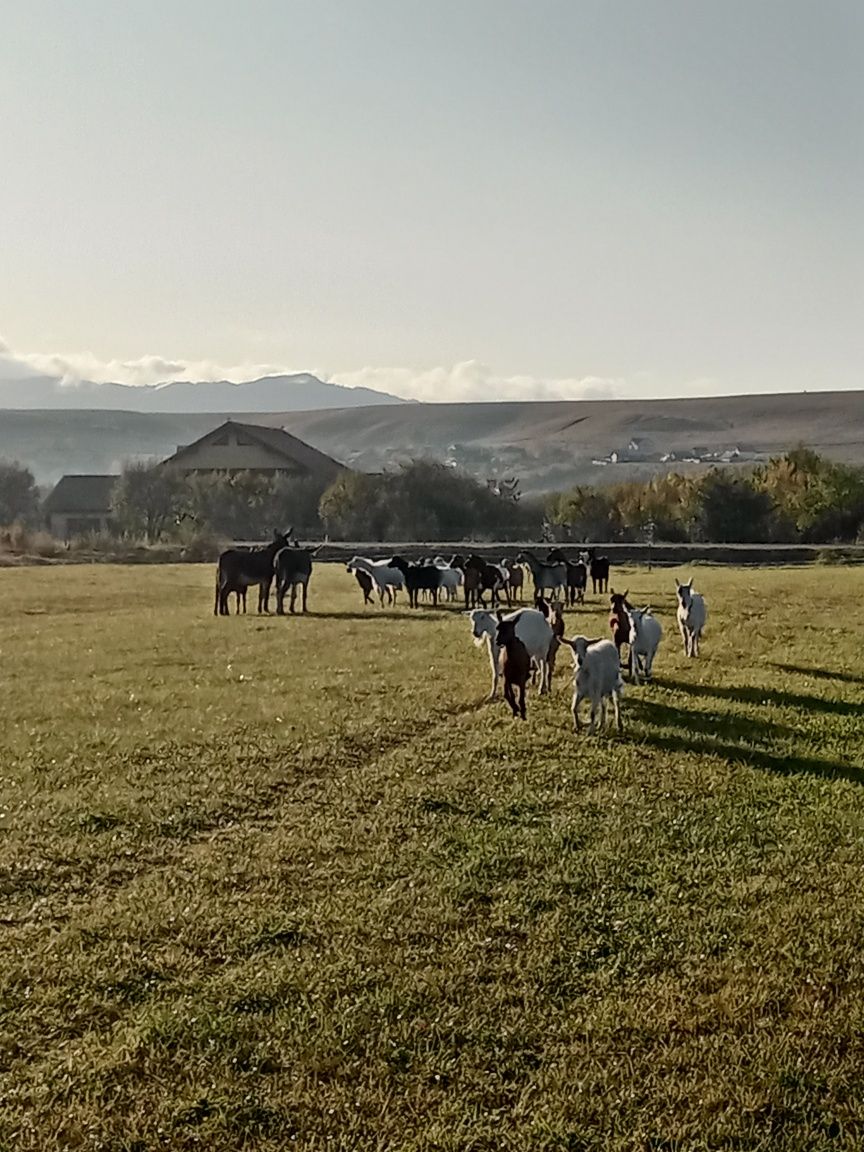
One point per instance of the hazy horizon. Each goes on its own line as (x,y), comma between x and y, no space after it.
(483,200)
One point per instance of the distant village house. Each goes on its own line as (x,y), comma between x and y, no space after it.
(79,505)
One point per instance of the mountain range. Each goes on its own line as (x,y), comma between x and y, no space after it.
(295,393)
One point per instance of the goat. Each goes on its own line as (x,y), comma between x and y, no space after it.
(367,584)
(597,677)
(551,577)
(577,576)
(692,614)
(293,570)
(645,635)
(556,623)
(516,664)
(385,576)
(532,629)
(598,566)
(618,620)
(419,577)
(451,578)
(238,570)
(480,578)
(515,578)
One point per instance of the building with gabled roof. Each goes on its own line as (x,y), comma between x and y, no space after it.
(238,447)
(78,505)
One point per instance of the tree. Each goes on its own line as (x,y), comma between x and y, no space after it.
(147,499)
(19,496)
(730,510)
(584,514)
(352,508)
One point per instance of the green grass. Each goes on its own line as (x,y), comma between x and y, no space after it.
(292,883)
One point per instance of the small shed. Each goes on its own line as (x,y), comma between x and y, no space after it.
(78,505)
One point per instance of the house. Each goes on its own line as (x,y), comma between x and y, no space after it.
(234,447)
(78,505)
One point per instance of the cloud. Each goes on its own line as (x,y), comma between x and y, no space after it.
(76,368)
(473,380)
(468,380)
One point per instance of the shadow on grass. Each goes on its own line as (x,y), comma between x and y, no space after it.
(819,673)
(758,758)
(709,724)
(746,694)
(370,614)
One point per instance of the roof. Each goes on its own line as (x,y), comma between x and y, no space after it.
(81,494)
(277,440)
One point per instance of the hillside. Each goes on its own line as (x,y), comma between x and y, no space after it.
(548,445)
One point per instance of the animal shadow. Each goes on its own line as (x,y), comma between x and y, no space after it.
(819,673)
(753,694)
(765,761)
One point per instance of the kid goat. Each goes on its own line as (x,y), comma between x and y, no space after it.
(516,661)
(692,615)
(597,678)
(644,639)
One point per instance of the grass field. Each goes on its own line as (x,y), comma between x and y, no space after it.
(292,883)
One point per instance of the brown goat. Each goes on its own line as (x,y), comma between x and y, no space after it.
(556,622)
(516,664)
(619,622)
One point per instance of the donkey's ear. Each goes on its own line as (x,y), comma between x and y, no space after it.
(626,593)
(690,583)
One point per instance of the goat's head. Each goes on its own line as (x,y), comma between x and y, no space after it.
(685,593)
(482,624)
(618,600)
(578,646)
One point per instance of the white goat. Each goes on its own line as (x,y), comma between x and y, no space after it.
(382,574)
(597,677)
(451,578)
(645,635)
(692,614)
(532,628)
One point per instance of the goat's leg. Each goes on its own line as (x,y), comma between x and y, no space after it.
(494,658)
(616,704)
(574,708)
(522,699)
(593,724)
(509,696)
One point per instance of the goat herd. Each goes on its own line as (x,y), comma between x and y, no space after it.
(521,644)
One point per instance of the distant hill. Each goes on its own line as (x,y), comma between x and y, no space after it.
(548,445)
(268,394)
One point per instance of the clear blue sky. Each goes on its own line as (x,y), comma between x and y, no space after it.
(661,194)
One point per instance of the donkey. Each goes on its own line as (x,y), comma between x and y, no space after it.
(238,570)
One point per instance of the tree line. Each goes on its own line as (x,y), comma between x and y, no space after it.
(796,497)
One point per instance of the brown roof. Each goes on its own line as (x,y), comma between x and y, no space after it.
(79,494)
(277,440)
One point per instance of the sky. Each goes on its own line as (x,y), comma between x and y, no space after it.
(445,199)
